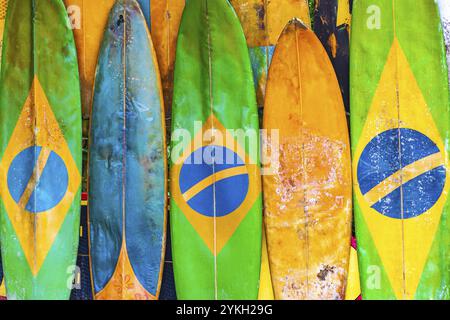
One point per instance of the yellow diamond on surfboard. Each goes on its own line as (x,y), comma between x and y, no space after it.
(48,136)
(386,231)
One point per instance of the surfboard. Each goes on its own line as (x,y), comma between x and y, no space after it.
(400,123)
(263,21)
(40,150)
(127,162)
(332,25)
(216,205)
(3,8)
(166,18)
(444,9)
(307,198)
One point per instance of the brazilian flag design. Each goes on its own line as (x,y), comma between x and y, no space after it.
(40,151)
(400,129)
(216,209)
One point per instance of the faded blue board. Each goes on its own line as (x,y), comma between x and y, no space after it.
(126,153)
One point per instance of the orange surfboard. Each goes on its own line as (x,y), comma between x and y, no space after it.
(308,196)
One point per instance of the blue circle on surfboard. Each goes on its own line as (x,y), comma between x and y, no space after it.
(50,187)
(225,195)
(381,159)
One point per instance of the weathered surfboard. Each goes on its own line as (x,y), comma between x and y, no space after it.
(332,25)
(40,150)
(216,210)
(263,21)
(400,126)
(308,198)
(127,162)
(444,9)
(166,17)
(3,7)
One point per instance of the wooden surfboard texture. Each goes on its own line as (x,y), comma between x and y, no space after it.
(40,151)
(307,200)
(3,8)
(216,209)
(127,162)
(166,18)
(263,21)
(400,125)
(332,19)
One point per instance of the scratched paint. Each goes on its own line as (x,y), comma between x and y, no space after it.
(308,201)
(127,162)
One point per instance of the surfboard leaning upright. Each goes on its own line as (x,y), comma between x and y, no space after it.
(307,198)
(400,125)
(127,162)
(216,214)
(263,21)
(40,151)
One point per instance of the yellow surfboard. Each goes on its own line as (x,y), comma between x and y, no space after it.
(308,197)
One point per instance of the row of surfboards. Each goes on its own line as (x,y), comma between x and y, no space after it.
(399,128)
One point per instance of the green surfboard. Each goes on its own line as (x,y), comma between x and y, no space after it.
(40,151)
(216,211)
(400,123)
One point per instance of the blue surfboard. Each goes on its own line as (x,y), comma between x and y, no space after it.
(127,162)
